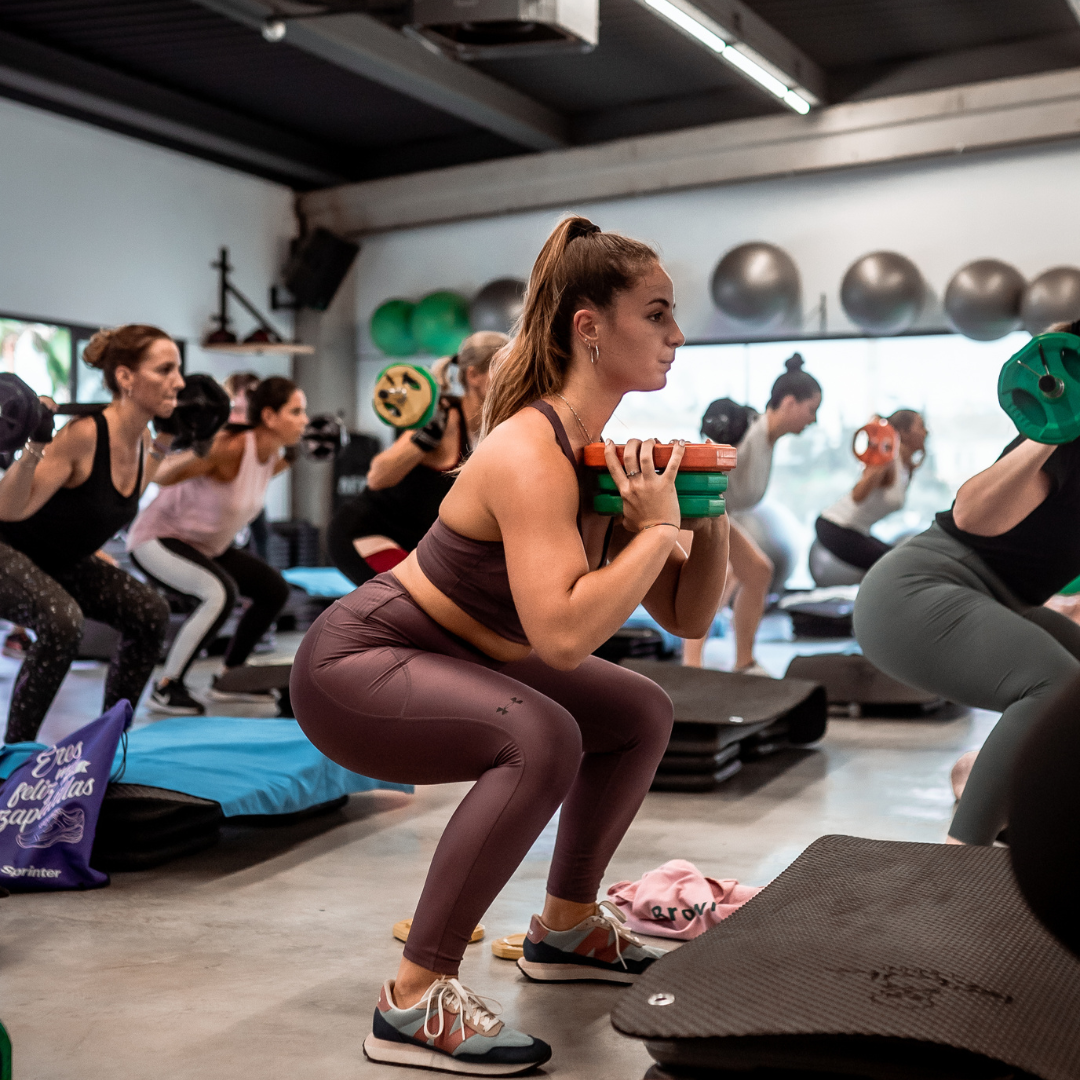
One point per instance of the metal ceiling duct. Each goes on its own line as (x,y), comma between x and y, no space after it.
(489,29)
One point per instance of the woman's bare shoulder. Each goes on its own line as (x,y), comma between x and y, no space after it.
(527,433)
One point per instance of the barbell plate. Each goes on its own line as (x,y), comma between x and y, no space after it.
(699,457)
(1053,417)
(693,483)
(405,396)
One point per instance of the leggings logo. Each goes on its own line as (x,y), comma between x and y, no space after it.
(504,709)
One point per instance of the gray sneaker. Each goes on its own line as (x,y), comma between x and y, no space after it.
(599,948)
(450,1029)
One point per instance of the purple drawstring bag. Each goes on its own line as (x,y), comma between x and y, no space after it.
(49,809)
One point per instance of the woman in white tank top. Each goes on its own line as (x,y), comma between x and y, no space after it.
(184,539)
(792,407)
(844,527)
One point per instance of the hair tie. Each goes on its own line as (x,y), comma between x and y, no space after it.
(577,230)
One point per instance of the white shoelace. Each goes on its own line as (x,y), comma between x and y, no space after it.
(613,918)
(449,994)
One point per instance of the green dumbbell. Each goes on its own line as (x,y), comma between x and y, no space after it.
(1039,388)
(690,483)
(689,505)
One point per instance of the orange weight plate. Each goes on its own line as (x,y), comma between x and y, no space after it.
(699,457)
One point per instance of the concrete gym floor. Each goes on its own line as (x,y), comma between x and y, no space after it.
(263,956)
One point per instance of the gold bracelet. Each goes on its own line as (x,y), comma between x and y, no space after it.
(655,523)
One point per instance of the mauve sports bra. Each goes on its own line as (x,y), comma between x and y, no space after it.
(472,573)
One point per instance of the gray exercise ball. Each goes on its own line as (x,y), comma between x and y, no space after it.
(1054,296)
(756,284)
(983,299)
(827,570)
(775,529)
(882,293)
(498,305)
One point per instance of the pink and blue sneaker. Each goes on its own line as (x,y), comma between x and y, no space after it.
(598,948)
(450,1029)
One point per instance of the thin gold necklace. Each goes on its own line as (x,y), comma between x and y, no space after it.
(581,424)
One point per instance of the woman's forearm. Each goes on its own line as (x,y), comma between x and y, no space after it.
(17,485)
(600,602)
(999,498)
(392,465)
(701,581)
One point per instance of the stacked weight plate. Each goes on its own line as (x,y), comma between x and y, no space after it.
(700,483)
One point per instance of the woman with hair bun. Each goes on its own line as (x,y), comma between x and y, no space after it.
(407,482)
(184,539)
(64,498)
(472,659)
(792,407)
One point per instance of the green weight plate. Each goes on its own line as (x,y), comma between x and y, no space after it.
(701,506)
(695,483)
(1039,388)
(607,504)
(405,396)
(689,505)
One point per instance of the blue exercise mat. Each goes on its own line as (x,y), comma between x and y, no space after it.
(319,580)
(248,765)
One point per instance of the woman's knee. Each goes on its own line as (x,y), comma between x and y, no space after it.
(546,747)
(60,625)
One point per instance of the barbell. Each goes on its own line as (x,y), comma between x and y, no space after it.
(202,407)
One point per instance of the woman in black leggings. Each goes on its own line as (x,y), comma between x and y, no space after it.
(407,482)
(60,501)
(844,528)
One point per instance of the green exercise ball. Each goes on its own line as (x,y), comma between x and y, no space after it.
(440,323)
(391,328)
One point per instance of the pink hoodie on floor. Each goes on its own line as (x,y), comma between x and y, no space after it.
(677,901)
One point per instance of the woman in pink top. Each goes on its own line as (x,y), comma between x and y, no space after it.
(184,538)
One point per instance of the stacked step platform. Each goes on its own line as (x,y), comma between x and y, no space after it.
(723,719)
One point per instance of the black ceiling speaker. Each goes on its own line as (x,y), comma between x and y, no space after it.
(318,264)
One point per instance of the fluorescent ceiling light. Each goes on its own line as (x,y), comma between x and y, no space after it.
(696,24)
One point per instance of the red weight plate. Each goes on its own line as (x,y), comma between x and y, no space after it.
(699,457)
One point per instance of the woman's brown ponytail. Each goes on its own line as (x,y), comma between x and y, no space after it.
(577,265)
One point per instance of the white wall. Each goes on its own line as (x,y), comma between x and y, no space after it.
(101,229)
(1018,206)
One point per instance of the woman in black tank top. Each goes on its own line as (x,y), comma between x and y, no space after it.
(406,483)
(960,611)
(64,498)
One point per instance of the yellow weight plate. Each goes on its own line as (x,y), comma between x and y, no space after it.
(510,947)
(401,931)
(405,396)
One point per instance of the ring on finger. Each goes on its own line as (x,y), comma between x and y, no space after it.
(633,472)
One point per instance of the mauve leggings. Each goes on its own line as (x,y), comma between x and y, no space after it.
(382,689)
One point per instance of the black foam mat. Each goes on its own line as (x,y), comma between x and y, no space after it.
(852,679)
(704,696)
(874,959)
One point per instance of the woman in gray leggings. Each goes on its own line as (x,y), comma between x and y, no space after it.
(958,610)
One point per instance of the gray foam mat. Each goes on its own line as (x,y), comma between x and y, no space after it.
(873,959)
